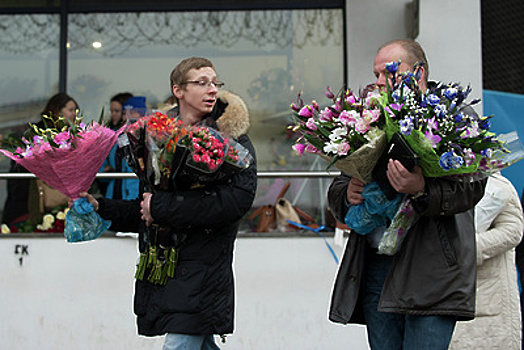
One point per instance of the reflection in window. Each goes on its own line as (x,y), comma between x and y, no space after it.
(266,57)
(29,59)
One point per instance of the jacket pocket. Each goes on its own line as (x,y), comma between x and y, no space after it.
(444,229)
(183,293)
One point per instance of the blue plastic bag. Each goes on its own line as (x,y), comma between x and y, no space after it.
(83,223)
(375,211)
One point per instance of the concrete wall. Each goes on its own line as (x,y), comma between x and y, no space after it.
(55,295)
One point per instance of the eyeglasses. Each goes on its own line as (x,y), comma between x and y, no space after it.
(205,83)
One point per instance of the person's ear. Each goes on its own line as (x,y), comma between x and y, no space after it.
(177,91)
(420,74)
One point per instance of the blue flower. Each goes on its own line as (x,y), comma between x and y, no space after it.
(459,117)
(392,67)
(485,124)
(451,93)
(488,152)
(406,125)
(408,77)
(397,94)
(433,99)
(441,111)
(423,101)
(450,160)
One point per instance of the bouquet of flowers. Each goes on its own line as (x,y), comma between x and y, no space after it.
(67,157)
(443,130)
(348,133)
(149,145)
(167,155)
(51,222)
(207,157)
(440,127)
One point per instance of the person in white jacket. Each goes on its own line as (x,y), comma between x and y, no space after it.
(499,227)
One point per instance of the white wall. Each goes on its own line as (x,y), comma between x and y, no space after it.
(449,32)
(79,296)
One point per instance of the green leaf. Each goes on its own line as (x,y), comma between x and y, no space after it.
(314,141)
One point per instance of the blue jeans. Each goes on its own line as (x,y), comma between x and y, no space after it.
(391,331)
(175,341)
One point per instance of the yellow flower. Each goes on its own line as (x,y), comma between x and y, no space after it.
(61,215)
(5,229)
(48,220)
(41,227)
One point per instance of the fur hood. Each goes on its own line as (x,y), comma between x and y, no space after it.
(232,115)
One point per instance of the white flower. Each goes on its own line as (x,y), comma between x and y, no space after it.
(373,133)
(336,134)
(330,147)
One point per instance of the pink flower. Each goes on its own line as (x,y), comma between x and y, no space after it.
(343,149)
(348,117)
(433,139)
(299,148)
(351,100)
(362,126)
(311,149)
(432,124)
(371,115)
(326,115)
(196,158)
(311,124)
(306,111)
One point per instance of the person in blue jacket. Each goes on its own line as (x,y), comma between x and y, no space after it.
(128,189)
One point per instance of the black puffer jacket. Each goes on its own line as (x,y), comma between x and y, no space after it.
(434,271)
(200,299)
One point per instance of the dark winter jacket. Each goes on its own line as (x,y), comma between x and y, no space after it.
(434,271)
(200,298)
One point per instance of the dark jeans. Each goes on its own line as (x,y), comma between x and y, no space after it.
(391,331)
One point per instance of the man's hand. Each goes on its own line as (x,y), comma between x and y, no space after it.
(146,209)
(89,197)
(404,181)
(354,191)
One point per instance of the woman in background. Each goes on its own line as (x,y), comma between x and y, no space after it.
(499,224)
(16,207)
(116,107)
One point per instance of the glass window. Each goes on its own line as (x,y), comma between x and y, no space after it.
(29,59)
(266,57)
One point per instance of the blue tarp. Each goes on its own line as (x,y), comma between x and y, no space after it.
(508,109)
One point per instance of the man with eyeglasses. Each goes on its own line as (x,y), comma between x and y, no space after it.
(199,301)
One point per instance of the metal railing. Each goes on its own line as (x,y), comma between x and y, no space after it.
(261,174)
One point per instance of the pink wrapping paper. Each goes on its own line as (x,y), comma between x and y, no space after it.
(71,170)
